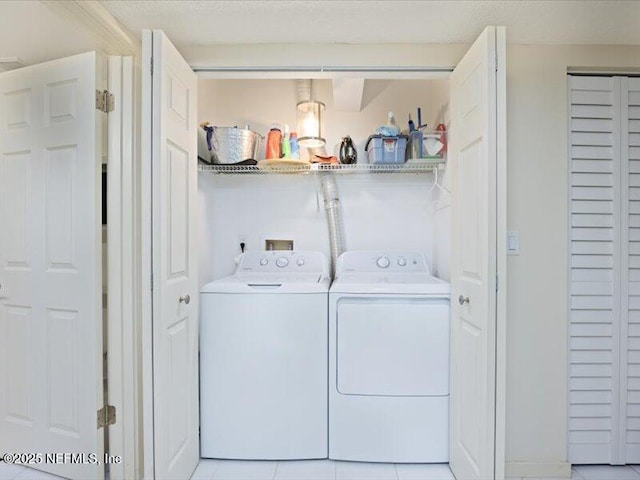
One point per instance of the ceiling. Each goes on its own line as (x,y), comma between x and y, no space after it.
(34,33)
(191,22)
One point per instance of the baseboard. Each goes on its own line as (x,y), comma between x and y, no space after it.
(537,470)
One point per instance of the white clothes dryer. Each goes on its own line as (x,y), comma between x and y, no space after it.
(263,359)
(388,360)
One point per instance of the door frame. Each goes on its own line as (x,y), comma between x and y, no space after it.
(500,457)
(146,259)
(123,270)
(256,72)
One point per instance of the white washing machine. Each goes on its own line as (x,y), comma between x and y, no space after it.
(263,359)
(388,360)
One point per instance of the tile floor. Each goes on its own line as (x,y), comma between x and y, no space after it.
(317,470)
(606,472)
(330,470)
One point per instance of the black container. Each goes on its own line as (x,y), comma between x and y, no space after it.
(348,152)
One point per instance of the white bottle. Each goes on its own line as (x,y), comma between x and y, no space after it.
(391,126)
(391,120)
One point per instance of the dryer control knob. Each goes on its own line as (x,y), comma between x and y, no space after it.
(383,262)
(263,261)
(282,262)
(402,262)
(300,262)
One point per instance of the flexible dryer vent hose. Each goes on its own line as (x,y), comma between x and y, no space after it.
(332,207)
(303,90)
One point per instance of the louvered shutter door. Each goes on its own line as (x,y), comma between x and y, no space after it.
(604,332)
(594,268)
(631,328)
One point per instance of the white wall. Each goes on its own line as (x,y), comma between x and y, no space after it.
(286,207)
(378,211)
(537,207)
(442,198)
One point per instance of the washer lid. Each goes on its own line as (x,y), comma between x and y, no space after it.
(309,283)
(275,272)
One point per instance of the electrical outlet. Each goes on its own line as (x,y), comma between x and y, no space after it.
(242,242)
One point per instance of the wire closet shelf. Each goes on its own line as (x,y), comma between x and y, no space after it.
(421,166)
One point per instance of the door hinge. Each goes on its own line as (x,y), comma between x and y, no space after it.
(106,416)
(151,281)
(151,65)
(497,278)
(104,101)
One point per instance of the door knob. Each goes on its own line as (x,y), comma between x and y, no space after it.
(186,299)
(462,300)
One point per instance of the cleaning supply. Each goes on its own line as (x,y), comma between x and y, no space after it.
(443,137)
(293,145)
(285,151)
(415,144)
(391,123)
(420,124)
(390,129)
(348,152)
(274,140)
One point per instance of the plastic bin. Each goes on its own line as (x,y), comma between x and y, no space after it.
(381,149)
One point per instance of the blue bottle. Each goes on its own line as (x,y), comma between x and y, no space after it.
(293,142)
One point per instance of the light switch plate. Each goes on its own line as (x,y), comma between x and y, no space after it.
(513,242)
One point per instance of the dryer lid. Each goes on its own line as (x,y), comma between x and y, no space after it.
(388,285)
(381,261)
(386,272)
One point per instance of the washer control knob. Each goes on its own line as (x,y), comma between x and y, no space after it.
(383,262)
(300,262)
(282,262)
(402,262)
(263,261)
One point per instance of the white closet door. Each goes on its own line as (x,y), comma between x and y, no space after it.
(173,129)
(595,258)
(631,329)
(50,264)
(474,163)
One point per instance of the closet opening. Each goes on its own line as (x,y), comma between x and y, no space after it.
(380,201)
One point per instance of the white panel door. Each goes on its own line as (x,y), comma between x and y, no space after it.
(473,163)
(175,276)
(50,263)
